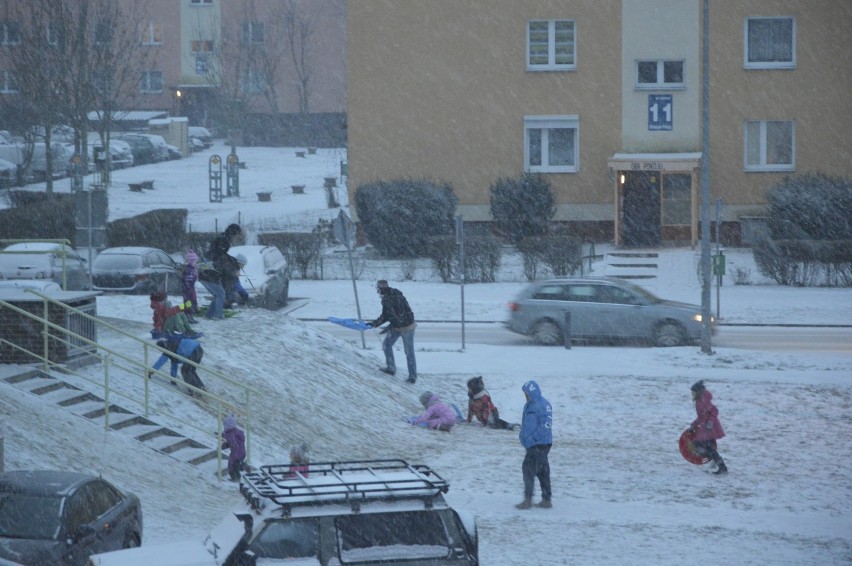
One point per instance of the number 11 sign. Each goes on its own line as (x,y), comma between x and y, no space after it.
(660,110)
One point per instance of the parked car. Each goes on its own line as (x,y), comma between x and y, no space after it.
(201,134)
(40,285)
(601,308)
(174,152)
(359,513)
(161,145)
(45,260)
(265,274)
(136,270)
(56,517)
(143,149)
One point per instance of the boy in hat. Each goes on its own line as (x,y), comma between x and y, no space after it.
(396,311)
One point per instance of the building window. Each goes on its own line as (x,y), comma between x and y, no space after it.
(201,46)
(10,33)
(103,33)
(151,82)
(551,144)
(151,34)
(252,33)
(659,74)
(254,82)
(551,45)
(677,199)
(200,2)
(9,83)
(770,43)
(202,64)
(53,34)
(770,146)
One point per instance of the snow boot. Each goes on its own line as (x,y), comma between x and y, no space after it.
(545,504)
(722,470)
(388,371)
(525,504)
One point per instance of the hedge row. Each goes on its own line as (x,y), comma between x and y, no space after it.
(804,263)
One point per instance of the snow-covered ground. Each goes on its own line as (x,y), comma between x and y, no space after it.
(622,493)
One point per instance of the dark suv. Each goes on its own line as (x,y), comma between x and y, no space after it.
(54,517)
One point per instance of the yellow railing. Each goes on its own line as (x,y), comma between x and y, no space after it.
(126,361)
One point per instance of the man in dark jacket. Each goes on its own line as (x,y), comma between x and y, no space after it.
(219,280)
(536,436)
(396,311)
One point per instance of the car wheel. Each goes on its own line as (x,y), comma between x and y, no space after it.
(669,334)
(132,541)
(547,332)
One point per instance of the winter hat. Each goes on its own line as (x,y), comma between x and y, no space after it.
(233,230)
(157,296)
(299,452)
(191,258)
(241,259)
(475,384)
(425,397)
(697,387)
(382,284)
(230,422)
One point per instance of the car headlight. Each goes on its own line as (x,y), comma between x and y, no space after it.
(699,318)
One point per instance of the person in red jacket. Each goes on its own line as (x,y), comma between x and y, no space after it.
(706,426)
(167,319)
(479,405)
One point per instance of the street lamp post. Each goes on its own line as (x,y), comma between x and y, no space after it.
(706,329)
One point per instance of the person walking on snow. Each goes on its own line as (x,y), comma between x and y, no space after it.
(189,349)
(234,439)
(706,426)
(536,436)
(438,415)
(395,310)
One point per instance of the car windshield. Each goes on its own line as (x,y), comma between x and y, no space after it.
(118,262)
(29,516)
(392,536)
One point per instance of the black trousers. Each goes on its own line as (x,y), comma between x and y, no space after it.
(536,465)
(705,448)
(189,373)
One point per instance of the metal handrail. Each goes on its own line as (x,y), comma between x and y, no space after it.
(220,405)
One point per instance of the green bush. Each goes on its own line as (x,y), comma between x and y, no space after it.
(400,217)
(803,263)
(164,229)
(482,255)
(38,216)
(522,207)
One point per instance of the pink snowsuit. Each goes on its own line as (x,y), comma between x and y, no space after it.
(438,415)
(706,424)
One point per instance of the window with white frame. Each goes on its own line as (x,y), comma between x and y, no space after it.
(770,43)
(200,2)
(152,33)
(551,45)
(8,82)
(151,82)
(10,32)
(252,33)
(551,144)
(254,82)
(770,145)
(659,73)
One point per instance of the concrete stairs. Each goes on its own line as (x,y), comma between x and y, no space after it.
(631,265)
(90,406)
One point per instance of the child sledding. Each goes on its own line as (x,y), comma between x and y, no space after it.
(480,406)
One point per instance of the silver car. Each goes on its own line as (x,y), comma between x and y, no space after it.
(601,309)
(45,261)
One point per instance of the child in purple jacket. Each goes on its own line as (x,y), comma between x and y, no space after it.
(190,276)
(706,426)
(235,440)
(438,415)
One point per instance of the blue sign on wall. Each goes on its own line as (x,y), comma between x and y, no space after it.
(660,110)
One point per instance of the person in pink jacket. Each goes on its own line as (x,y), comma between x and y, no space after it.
(706,426)
(438,415)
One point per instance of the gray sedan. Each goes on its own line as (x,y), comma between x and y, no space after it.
(601,309)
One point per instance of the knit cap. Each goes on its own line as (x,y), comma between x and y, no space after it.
(230,422)
(191,257)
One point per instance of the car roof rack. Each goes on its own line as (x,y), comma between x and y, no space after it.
(341,482)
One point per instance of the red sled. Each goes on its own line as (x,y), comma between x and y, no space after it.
(687,449)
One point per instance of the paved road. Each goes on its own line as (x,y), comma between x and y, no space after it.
(760,338)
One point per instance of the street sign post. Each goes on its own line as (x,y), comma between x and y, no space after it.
(343,230)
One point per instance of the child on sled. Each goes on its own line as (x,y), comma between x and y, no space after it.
(479,405)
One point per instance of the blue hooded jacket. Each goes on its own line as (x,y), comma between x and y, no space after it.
(536,426)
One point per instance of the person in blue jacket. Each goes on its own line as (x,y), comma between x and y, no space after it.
(536,437)
(189,349)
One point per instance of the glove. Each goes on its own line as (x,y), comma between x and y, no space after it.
(148,374)
(411,420)
(369,324)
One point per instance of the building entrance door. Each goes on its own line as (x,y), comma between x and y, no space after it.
(641,209)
